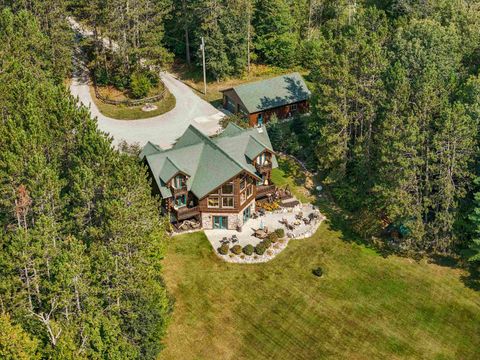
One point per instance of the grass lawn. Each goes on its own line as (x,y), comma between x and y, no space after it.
(193,77)
(292,175)
(364,307)
(122,112)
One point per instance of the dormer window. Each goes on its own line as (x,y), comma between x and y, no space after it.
(179,181)
(262,159)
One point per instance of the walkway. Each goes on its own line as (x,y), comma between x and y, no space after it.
(162,130)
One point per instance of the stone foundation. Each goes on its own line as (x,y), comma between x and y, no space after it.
(234,220)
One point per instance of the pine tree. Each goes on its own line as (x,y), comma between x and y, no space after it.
(275,41)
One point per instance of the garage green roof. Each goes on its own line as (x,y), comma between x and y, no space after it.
(208,163)
(272,93)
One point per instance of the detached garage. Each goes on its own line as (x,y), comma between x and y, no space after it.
(284,96)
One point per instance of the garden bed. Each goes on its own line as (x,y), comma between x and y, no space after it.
(123,112)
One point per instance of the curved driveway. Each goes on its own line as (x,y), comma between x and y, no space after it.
(162,130)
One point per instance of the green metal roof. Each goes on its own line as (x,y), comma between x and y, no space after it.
(169,170)
(209,163)
(165,192)
(149,149)
(272,93)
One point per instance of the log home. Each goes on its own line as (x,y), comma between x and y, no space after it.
(215,180)
(284,96)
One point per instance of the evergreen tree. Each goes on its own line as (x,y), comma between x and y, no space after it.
(275,41)
(15,344)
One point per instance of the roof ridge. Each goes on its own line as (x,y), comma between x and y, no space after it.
(259,142)
(211,142)
(267,79)
(171,162)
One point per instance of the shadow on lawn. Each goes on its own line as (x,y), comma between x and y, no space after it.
(472,281)
(336,217)
(339,220)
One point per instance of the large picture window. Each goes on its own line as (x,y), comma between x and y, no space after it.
(227,189)
(213,202)
(227,202)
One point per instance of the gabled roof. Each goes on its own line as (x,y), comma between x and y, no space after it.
(208,163)
(272,93)
(150,149)
(169,170)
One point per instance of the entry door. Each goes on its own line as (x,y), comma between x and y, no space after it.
(247,213)
(220,222)
(260,120)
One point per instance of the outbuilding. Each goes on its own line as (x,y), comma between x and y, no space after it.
(284,96)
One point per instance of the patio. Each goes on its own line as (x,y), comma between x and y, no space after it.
(270,221)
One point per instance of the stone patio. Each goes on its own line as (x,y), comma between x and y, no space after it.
(270,220)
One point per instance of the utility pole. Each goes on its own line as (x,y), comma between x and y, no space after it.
(202,47)
(248,40)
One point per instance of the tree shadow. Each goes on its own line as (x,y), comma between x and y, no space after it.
(472,280)
(293,172)
(296,92)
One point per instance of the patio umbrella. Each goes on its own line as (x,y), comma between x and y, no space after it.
(261,224)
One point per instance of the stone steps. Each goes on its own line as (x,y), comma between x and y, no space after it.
(289,202)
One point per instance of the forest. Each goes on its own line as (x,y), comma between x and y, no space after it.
(393,134)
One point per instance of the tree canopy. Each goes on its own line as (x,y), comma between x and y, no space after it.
(81,235)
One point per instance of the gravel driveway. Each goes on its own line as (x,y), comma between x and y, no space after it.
(164,129)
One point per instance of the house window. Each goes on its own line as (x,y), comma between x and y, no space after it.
(213,202)
(249,191)
(243,197)
(227,189)
(227,202)
(180,201)
(293,107)
(262,159)
(243,183)
(179,182)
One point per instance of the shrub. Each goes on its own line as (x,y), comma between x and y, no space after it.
(267,243)
(236,249)
(273,237)
(153,78)
(280,233)
(223,250)
(260,248)
(317,272)
(140,85)
(248,249)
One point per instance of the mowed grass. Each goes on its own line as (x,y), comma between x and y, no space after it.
(364,307)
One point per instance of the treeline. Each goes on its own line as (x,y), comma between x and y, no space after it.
(80,235)
(394,128)
(127,49)
(236,32)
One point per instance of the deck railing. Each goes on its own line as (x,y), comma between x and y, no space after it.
(265,190)
(186,212)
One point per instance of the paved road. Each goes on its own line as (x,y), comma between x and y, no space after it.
(164,129)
